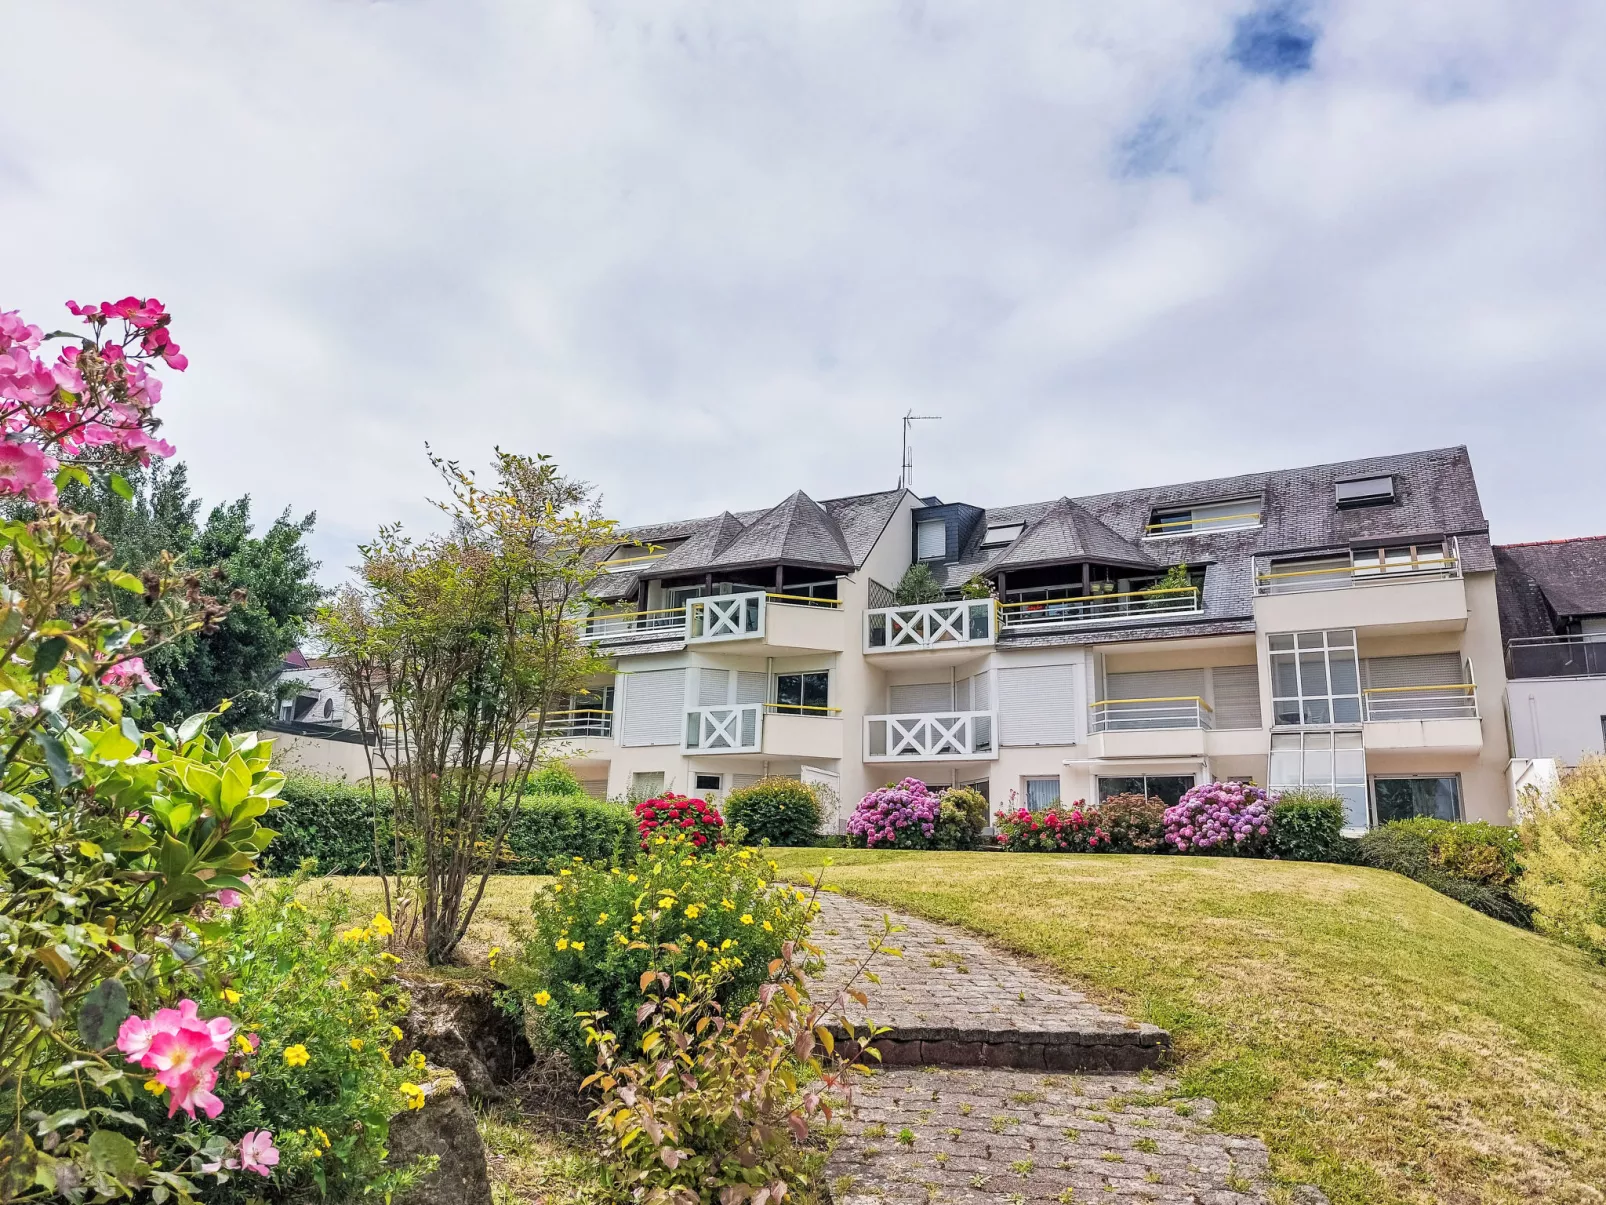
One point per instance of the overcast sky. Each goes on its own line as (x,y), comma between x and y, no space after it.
(707,253)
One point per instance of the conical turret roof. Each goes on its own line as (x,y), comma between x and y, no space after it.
(1069,532)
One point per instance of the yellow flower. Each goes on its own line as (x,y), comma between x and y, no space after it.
(774,866)
(621,939)
(356,1043)
(296,1056)
(387,956)
(242,1075)
(762,884)
(396,1032)
(602,918)
(155,1087)
(692,910)
(747,918)
(322,1137)
(240,1041)
(542,999)
(638,918)
(630,878)
(565,872)
(381,925)
(769,927)
(801,897)
(557,887)
(577,945)
(667,902)
(230,996)
(702,945)
(744,854)
(727,905)
(491,957)
(563,943)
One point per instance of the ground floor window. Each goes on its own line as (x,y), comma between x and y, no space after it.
(646,784)
(1168,788)
(707,782)
(802,694)
(1042,793)
(1332,762)
(1406,798)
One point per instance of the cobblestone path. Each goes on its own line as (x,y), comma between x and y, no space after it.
(1003,1086)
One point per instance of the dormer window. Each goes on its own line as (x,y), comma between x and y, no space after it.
(999,534)
(1231,514)
(931,540)
(1364,491)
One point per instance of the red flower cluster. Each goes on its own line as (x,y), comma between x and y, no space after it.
(696,819)
(1074,830)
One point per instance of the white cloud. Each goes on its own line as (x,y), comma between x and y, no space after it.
(706,255)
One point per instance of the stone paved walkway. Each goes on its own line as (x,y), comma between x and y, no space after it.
(976,1102)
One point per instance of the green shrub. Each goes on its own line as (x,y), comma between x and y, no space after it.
(598,928)
(917,585)
(332,821)
(554,778)
(1419,848)
(552,830)
(782,811)
(962,818)
(1132,823)
(1307,826)
(1564,879)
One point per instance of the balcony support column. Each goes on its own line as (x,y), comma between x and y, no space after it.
(641,594)
(779,572)
(1087,579)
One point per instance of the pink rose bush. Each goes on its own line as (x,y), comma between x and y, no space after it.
(99,392)
(1071,829)
(1231,817)
(897,817)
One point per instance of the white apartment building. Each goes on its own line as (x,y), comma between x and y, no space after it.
(1335,627)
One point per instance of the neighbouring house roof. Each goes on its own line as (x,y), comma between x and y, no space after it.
(1540,586)
(1065,531)
(294,659)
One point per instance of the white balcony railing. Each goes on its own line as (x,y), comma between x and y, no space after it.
(930,625)
(663,624)
(1124,715)
(725,617)
(1132,606)
(1292,577)
(932,736)
(733,728)
(581,723)
(1455,701)
(1575,656)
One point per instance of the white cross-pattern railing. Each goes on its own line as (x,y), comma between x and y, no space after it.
(931,736)
(728,728)
(930,625)
(725,617)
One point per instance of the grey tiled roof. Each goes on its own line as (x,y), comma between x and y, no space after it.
(1538,584)
(1149,631)
(798,531)
(704,546)
(1066,532)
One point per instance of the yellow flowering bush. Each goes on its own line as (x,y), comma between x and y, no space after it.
(598,928)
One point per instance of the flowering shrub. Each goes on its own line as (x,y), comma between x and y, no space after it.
(782,811)
(1229,817)
(1058,830)
(698,819)
(961,817)
(680,907)
(1135,823)
(897,817)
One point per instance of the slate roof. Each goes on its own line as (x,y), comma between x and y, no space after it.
(716,535)
(1541,585)
(1065,531)
(799,531)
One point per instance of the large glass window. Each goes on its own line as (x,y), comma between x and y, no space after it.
(802,694)
(1042,793)
(1331,762)
(1315,678)
(1167,788)
(1406,798)
(1233,514)
(1400,558)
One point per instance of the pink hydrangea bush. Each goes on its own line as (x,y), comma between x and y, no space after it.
(903,816)
(1227,817)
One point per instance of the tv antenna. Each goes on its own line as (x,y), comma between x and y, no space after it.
(906,473)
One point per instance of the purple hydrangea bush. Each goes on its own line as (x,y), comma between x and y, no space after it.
(1227,816)
(896,817)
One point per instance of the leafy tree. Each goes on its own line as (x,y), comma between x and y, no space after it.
(269,579)
(918,585)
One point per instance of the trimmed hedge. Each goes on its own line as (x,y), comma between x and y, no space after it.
(1473,863)
(330,820)
(782,811)
(552,829)
(1307,826)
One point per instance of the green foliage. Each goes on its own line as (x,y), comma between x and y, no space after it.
(961,817)
(976,586)
(333,821)
(599,928)
(1306,826)
(550,831)
(782,811)
(555,778)
(1564,879)
(241,657)
(1473,863)
(1176,578)
(1131,823)
(709,1106)
(310,973)
(917,585)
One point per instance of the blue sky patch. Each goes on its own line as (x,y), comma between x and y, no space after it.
(1274,40)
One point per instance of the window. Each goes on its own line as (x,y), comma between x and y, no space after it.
(1234,514)
(1314,678)
(646,784)
(328,708)
(1364,491)
(999,534)
(1400,558)
(1168,788)
(1406,798)
(931,540)
(802,694)
(708,782)
(287,710)
(1323,761)
(1042,793)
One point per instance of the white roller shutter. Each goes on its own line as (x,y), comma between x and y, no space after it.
(1037,705)
(931,540)
(1156,684)
(921,698)
(751,686)
(1237,696)
(981,693)
(713,687)
(1424,669)
(655,703)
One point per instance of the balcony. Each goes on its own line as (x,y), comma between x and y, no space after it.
(1440,718)
(731,728)
(592,723)
(927,627)
(1425,595)
(934,736)
(1556,657)
(1149,728)
(759,622)
(774,730)
(633,627)
(1134,606)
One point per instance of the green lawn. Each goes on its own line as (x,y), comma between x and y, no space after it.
(1387,1043)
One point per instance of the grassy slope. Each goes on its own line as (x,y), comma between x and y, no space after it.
(1387,1043)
